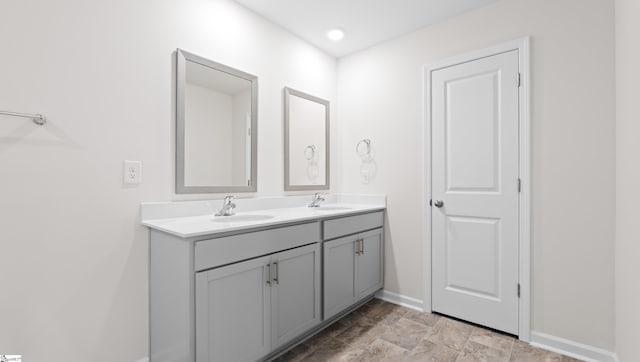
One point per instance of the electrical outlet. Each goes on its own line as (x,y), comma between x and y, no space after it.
(132,172)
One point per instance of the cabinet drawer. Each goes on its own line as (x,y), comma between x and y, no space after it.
(215,252)
(352,224)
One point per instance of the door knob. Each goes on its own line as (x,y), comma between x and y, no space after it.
(438,203)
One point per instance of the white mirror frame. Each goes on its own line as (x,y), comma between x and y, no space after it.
(287,185)
(181,77)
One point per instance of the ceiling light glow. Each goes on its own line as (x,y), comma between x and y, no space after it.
(335,34)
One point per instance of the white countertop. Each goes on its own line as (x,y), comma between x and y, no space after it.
(197,219)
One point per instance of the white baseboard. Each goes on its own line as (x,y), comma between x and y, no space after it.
(145,359)
(571,348)
(402,300)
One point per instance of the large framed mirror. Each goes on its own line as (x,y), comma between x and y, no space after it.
(216,127)
(306,142)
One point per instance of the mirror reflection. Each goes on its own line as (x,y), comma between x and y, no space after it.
(216,127)
(306,141)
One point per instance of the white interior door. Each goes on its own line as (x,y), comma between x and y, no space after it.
(475,191)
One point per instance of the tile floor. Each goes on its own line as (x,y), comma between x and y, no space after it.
(381,331)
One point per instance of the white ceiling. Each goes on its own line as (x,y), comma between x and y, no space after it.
(365,22)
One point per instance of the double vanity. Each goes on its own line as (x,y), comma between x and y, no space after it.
(248,286)
(247,279)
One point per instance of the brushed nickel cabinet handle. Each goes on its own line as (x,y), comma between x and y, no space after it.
(359,247)
(275,279)
(268,266)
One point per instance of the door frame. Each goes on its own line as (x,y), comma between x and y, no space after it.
(524,169)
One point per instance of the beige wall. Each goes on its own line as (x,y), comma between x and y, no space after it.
(73,257)
(573,109)
(627,14)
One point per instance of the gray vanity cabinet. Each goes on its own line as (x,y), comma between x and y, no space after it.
(250,295)
(233,309)
(353,270)
(339,275)
(295,293)
(245,310)
(369,277)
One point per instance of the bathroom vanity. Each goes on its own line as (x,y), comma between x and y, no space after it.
(249,286)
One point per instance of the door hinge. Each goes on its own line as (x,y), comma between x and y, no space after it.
(518,82)
(519,185)
(518,290)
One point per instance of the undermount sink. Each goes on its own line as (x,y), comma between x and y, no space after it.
(331,208)
(242,218)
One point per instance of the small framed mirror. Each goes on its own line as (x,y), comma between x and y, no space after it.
(216,127)
(306,141)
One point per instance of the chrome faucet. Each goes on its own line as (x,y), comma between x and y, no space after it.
(315,201)
(227,207)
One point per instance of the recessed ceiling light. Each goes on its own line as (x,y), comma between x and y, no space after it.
(335,34)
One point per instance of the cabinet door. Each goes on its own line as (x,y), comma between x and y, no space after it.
(339,275)
(233,312)
(369,275)
(295,292)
